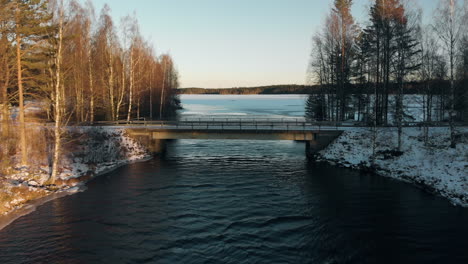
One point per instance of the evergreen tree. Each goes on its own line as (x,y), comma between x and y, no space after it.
(344,51)
(6,63)
(384,16)
(406,48)
(30,18)
(314,108)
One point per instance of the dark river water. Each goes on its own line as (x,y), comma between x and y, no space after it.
(240,202)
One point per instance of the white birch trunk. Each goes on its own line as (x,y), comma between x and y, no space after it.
(58,100)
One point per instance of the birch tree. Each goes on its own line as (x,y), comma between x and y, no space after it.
(59,96)
(450,21)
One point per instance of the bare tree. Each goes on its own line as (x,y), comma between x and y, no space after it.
(433,68)
(450,21)
(59,96)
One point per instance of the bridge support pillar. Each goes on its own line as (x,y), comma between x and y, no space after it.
(319,143)
(154,145)
(157,146)
(311,148)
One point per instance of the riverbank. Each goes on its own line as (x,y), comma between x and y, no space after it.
(93,151)
(434,166)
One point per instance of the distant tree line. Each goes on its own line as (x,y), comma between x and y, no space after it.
(271,89)
(411,87)
(366,69)
(77,67)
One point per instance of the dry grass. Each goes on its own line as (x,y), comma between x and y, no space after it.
(13,196)
(38,143)
(5,198)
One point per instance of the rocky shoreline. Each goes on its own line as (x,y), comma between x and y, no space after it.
(434,167)
(24,189)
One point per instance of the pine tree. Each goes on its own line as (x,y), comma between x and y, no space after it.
(384,15)
(407,48)
(31,18)
(314,108)
(6,63)
(347,35)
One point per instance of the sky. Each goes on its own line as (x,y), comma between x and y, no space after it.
(234,43)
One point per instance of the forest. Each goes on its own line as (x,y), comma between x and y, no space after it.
(366,69)
(270,89)
(61,64)
(411,87)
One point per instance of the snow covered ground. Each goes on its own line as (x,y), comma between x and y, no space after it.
(436,167)
(96,150)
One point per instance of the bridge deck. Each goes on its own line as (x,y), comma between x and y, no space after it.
(247,134)
(242,129)
(225,125)
(316,135)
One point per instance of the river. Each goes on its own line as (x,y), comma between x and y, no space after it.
(240,202)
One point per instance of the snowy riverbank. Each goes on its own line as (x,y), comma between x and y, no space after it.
(93,151)
(435,167)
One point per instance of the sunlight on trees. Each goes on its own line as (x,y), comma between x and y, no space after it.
(75,69)
(364,71)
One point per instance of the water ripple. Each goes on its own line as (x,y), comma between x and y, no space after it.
(243,202)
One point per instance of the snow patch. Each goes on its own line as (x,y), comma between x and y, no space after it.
(434,165)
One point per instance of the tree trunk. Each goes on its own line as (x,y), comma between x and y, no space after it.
(151,94)
(22,128)
(5,102)
(90,73)
(58,99)
(122,91)
(452,94)
(132,80)
(111,86)
(162,92)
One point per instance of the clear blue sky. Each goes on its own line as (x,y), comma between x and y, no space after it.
(231,43)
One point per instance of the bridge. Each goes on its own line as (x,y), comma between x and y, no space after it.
(316,135)
(153,134)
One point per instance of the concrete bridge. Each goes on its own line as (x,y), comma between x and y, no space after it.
(154,134)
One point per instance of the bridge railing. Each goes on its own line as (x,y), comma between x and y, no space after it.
(227,124)
(252,124)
